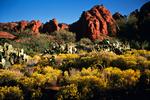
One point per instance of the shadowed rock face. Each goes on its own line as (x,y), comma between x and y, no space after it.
(118,16)
(50,26)
(144,21)
(94,23)
(53,25)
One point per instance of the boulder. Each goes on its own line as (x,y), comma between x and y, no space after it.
(63,26)
(50,26)
(7,35)
(94,24)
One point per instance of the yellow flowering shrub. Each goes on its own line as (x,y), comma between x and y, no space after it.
(40,79)
(143,53)
(17,67)
(47,76)
(68,56)
(130,77)
(11,93)
(28,82)
(121,79)
(8,77)
(69,92)
(51,74)
(113,76)
(90,71)
(88,80)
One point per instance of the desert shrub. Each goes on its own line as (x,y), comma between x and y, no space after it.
(25,34)
(64,36)
(85,41)
(2,41)
(125,62)
(11,93)
(18,67)
(114,77)
(78,63)
(135,59)
(36,94)
(74,75)
(42,78)
(90,71)
(51,75)
(86,62)
(9,78)
(121,79)
(130,78)
(94,59)
(39,78)
(143,53)
(30,87)
(131,59)
(91,87)
(145,79)
(89,81)
(106,57)
(68,56)
(68,92)
(85,45)
(33,44)
(144,45)
(28,83)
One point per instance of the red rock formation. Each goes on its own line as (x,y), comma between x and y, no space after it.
(8,26)
(34,26)
(94,23)
(63,26)
(6,35)
(22,25)
(50,26)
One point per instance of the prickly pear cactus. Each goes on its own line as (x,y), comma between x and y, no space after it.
(10,55)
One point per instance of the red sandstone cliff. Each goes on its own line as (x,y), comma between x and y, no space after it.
(94,23)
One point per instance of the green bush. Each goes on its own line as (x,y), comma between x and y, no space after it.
(33,44)
(85,41)
(64,36)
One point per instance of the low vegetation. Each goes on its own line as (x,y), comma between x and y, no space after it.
(99,74)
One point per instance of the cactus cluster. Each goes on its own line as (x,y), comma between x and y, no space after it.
(10,55)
